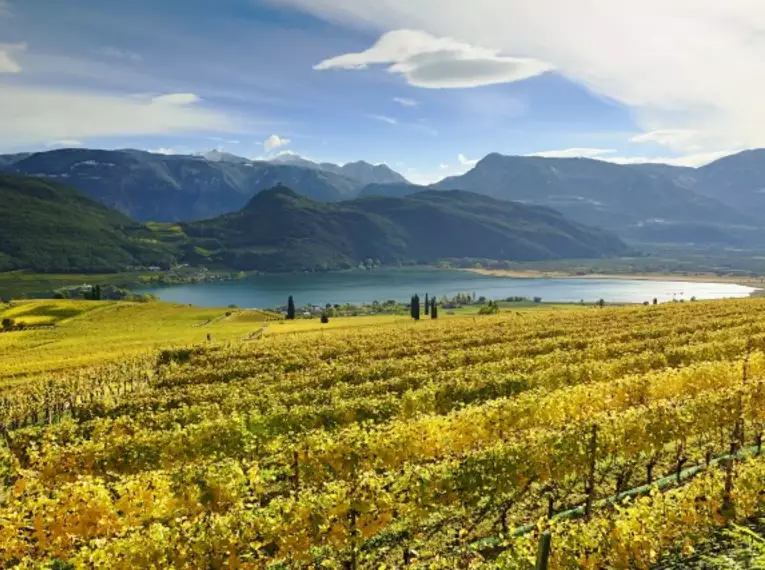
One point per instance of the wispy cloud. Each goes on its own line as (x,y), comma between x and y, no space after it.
(429,61)
(64,143)
(179,99)
(36,115)
(680,140)
(406,102)
(5,9)
(384,119)
(8,63)
(275,141)
(465,161)
(692,160)
(111,51)
(574,153)
(224,140)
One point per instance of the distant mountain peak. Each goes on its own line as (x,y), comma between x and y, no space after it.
(216,155)
(292,158)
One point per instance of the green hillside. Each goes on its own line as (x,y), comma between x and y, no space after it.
(279,230)
(49,227)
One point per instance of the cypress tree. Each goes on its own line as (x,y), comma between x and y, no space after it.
(433,310)
(290,309)
(416,307)
(97,293)
(427,305)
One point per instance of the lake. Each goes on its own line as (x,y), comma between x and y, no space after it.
(380,285)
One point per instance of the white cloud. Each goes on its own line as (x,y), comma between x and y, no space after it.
(8,63)
(288,153)
(692,160)
(684,64)
(224,140)
(64,143)
(406,102)
(287,157)
(438,62)
(110,51)
(5,9)
(274,141)
(163,150)
(443,166)
(35,115)
(574,153)
(176,99)
(384,119)
(465,161)
(684,140)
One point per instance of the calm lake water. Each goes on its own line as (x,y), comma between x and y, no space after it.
(380,285)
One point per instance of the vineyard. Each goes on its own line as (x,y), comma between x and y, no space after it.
(628,433)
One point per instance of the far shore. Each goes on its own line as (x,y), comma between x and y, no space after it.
(756,282)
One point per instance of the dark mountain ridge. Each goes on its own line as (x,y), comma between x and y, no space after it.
(282,230)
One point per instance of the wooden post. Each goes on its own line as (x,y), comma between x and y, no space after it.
(729,464)
(296,475)
(543,552)
(407,556)
(592,451)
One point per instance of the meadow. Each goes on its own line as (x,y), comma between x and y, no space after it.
(130,440)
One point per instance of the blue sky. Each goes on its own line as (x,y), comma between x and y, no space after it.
(426,86)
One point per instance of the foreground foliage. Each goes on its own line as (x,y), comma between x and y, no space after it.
(429,444)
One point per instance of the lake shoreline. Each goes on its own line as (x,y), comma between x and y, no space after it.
(383,285)
(754,282)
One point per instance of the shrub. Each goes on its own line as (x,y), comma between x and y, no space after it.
(8,324)
(491,309)
(324,318)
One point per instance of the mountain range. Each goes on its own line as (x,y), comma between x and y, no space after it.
(723,201)
(167,188)
(50,227)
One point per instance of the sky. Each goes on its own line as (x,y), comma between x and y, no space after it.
(425,86)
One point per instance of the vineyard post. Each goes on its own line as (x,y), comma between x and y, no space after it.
(591,452)
(543,551)
(352,563)
(407,556)
(296,466)
(727,505)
